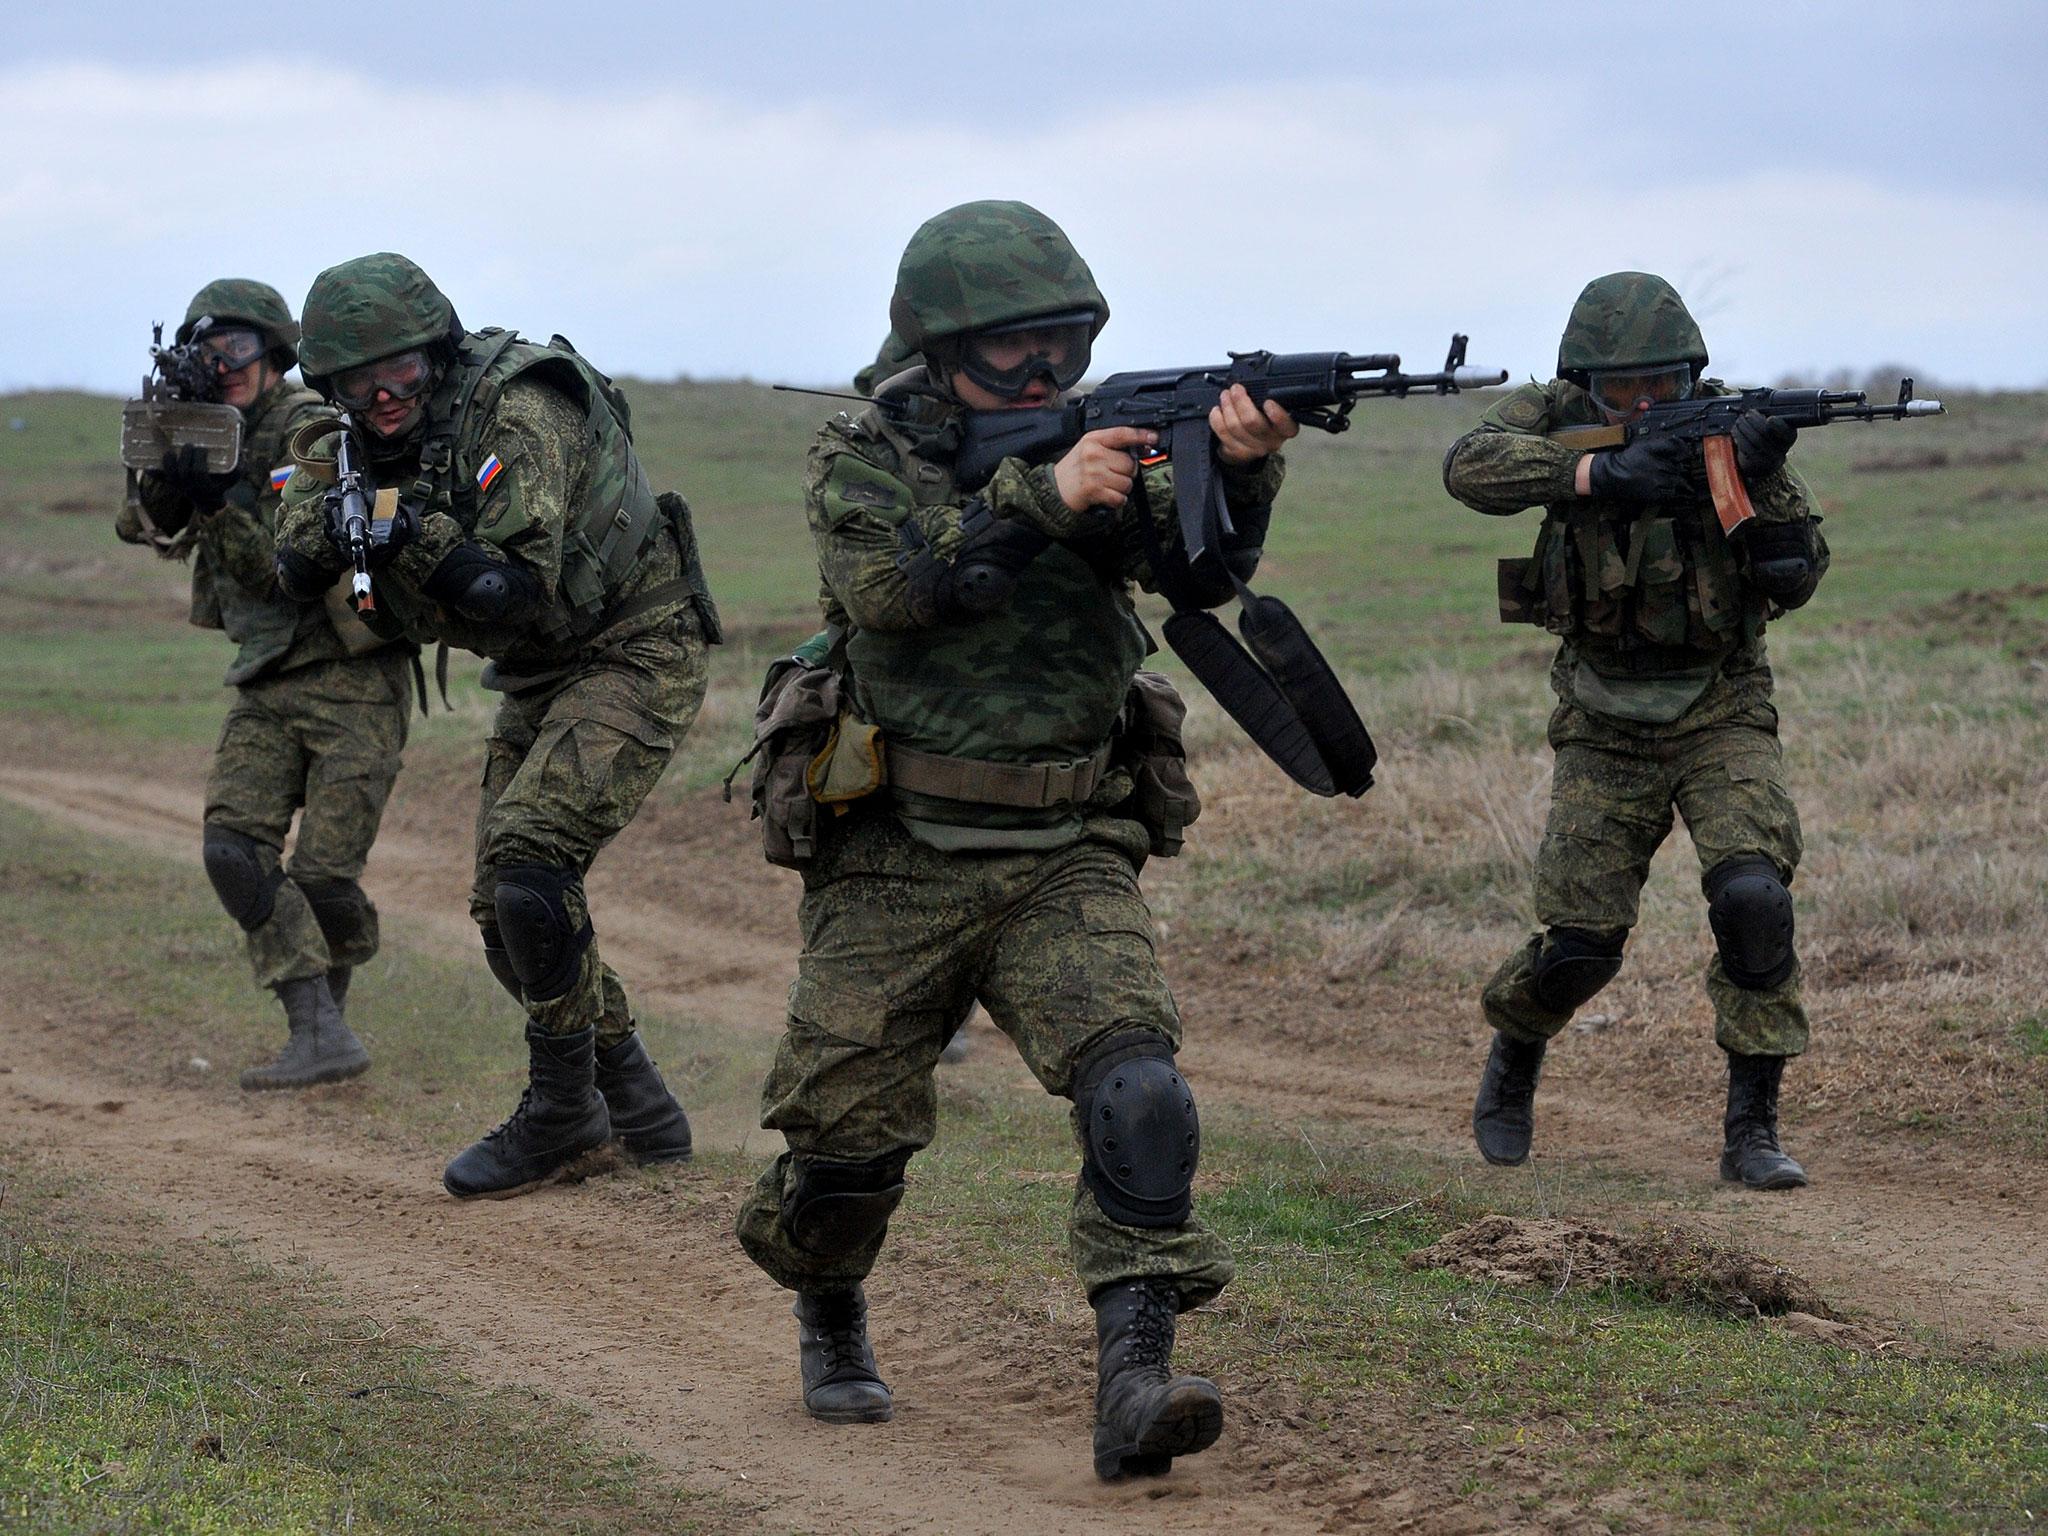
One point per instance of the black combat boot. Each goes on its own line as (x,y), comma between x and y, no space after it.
(840,1382)
(337,983)
(322,1049)
(646,1118)
(1504,1117)
(1752,1155)
(560,1117)
(1144,1414)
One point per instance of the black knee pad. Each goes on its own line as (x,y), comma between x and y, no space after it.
(1750,912)
(833,1209)
(339,907)
(501,963)
(243,880)
(1140,1138)
(1573,965)
(543,948)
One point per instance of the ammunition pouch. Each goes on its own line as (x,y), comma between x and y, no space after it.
(1646,580)
(796,724)
(1148,746)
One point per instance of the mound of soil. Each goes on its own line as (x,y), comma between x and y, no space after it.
(1669,1263)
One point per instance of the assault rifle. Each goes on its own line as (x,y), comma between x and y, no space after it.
(1319,389)
(1709,420)
(351,506)
(179,410)
(1276,684)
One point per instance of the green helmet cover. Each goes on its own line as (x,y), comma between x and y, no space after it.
(369,308)
(253,303)
(988,263)
(1629,320)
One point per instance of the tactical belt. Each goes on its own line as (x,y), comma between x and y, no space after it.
(1025,786)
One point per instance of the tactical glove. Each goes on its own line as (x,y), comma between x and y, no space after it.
(387,538)
(1761,443)
(1648,469)
(185,470)
(1780,559)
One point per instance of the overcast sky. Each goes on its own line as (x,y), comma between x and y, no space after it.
(705,190)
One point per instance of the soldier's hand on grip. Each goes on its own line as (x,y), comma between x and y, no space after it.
(185,468)
(1096,473)
(1779,557)
(1648,469)
(1245,432)
(388,538)
(1761,443)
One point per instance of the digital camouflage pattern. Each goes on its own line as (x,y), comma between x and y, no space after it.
(565,770)
(1627,320)
(899,941)
(1612,795)
(1040,680)
(369,308)
(324,739)
(984,264)
(240,298)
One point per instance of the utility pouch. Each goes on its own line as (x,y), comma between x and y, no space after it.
(850,766)
(1520,591)
(794,726)
(1662,611)
(356,637)
(1149,746)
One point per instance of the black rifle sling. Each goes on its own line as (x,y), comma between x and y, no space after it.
(1293,707)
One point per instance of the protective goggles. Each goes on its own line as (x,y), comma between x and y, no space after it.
(1004,359)
(1624,391)
(398,377)
(230,350)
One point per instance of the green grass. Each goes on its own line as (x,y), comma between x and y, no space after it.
(197,1393)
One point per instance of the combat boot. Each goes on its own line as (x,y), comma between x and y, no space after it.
(1504,1116)
(841,1385)
(560,1117)
(1144,1414)
(322,1049)
(1752,1155)
(337,983)
(646,1119)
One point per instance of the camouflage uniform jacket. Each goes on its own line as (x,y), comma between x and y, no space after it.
(539,440)
(1659,626)
(231,549)
(1040,680)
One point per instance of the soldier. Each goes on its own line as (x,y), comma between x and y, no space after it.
(1664,700)
(986,644)
(522,527)
(321,705)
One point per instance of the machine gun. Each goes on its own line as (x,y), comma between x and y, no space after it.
(1711,419)
(179,408)
(1319,389)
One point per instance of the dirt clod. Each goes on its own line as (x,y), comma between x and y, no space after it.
(1670,1263)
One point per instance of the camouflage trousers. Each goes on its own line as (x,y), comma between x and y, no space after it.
(565,770)
(323,740)
(899,940)
(1611,800)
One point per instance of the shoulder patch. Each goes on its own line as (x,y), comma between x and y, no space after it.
(854,485)
(488,471)
(280,475)
(1524,409)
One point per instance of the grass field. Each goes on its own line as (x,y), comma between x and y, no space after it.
(1914,693)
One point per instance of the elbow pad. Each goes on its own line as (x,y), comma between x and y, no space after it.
(980,577)
(479,588)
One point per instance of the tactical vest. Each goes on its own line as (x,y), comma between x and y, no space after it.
(1041,680)
(1663,577)
(620,516)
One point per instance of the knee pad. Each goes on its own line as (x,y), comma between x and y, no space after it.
(1750,911)
(1572,966)
(833,1209)
(244,880)
(1140,1139)
(339,907)
(541,945)
(501,963)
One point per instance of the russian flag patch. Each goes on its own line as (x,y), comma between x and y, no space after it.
(279,475)
(487,472)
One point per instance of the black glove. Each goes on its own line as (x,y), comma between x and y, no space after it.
(1780,559)
(1648,469)
(185,470)
(1761,443)
(387,538)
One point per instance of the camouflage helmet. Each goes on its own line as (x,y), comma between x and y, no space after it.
(893,357)
(1629,320)
(250,302)
(369,308)
(984,264)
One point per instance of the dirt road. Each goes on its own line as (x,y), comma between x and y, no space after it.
(667,1335)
